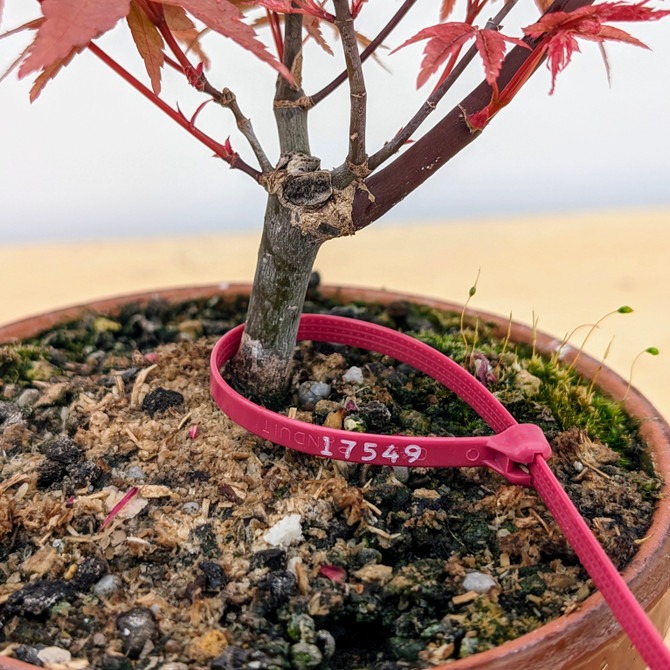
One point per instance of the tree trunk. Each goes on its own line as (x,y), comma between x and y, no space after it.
(287,251)
(285,260)
(308,206)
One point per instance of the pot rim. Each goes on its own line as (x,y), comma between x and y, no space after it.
(643,574)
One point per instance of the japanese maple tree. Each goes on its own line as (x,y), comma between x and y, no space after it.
(307,204)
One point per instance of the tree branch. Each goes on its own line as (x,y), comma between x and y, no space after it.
(219,149)
(198,80)
(227,99)
(386,188)
(429,106)
(357,93)
(367,52)
(289,108)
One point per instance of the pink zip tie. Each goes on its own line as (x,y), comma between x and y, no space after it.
(519,452)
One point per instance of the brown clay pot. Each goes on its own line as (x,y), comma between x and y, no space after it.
(588,639)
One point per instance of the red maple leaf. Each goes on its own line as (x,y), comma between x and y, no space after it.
(297,7)
(49,72)
(69,24)
(312,27)
(491,47)
(559,30)
(443,40)
(149,44)
(446,39)
(183,29)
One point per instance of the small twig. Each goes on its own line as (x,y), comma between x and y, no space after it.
(393,145)
(17,478)
(357,93)
(595,469)
(219,149)
(137,386)
(228,99)
(184,421)
(372,507)
(198,79)
(367,52)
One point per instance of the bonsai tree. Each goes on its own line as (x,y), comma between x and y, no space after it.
(307,204)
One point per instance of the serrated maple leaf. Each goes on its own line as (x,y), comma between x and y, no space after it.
(185,31)
(446,39)
(446,9)
(559,30)
(443,40)
(49,72)
(69,24)
(30,25)
(149,44)
(312,27)
(226,19)
(176,18)
(295,7)
(491,48)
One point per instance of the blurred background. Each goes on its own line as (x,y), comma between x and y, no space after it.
(91,159)
(563,203)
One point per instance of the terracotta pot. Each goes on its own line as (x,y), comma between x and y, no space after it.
(587,639)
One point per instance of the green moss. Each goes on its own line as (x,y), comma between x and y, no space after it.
(531,583)
(475,532)
(406,649)
(573,404)
(535,389)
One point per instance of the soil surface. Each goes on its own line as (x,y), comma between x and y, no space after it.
(141,528)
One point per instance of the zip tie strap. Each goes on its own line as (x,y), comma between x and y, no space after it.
(628,612)
(514,444)
(519,452)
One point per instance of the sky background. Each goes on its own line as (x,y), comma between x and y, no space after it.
(92,160)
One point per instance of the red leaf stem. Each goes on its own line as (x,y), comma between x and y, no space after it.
(273,19)
(333,572)
(479,120)
(219,149)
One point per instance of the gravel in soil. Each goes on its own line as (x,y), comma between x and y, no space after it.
(141,528)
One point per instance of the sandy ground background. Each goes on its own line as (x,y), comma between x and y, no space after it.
(565,270)
(562,270)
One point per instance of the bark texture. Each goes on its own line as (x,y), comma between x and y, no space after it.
(287,252)
(285,261)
